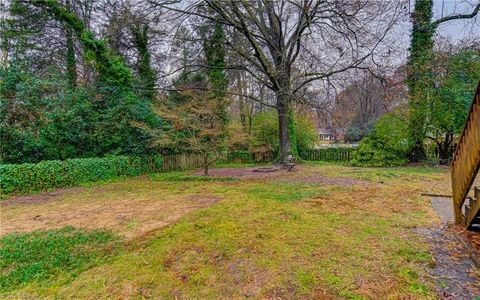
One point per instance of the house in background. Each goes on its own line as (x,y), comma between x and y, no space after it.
(325,134)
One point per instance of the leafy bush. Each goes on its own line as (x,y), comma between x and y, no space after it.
(41,254)
(265,132)
(305,131)
(240,156)
(386,145)
(43,118)
(45,175)
(238,138)
(449,101)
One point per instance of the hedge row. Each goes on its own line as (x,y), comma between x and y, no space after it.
(46,175)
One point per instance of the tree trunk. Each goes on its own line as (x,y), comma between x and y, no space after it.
(292,134)
(205,165)
(417,152)
(4,43)
(445,148)
(284,139)
(419,76)
(241,100)
(71,62)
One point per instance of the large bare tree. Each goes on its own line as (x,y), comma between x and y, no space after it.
(291,44)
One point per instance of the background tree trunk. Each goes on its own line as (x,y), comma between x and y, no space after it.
(71,61)
(282,108)
(205,167)
(420,74)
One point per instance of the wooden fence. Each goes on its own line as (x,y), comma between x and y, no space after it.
(192,161)
(465,164)
(328,154)
(182,161)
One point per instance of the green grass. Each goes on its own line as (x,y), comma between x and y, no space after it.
(379,174)
(40,255)
(284,191)
(218,251)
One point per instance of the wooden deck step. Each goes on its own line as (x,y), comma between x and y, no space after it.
(466,165)
(472,210)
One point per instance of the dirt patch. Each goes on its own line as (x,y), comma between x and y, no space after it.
(26,199)
(240,172)
(203,199)
(282,175)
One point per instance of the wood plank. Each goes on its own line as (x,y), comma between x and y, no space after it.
(466,162)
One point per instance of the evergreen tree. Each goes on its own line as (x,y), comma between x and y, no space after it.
(146,74)
(214,48)
(111,67)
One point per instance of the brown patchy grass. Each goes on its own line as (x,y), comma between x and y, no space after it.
(131,208)
(303,173)
(325,231)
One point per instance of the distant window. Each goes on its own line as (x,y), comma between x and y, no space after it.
(326,137)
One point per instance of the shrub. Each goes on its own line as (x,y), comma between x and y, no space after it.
(238,138)
(306,132)
(43,118)
(386,145)
(265,132)
(354,134)
(240,156)
(46,175)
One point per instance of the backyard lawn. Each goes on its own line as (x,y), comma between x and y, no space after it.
(324,231)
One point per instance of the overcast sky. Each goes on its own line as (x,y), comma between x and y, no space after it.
(457,29)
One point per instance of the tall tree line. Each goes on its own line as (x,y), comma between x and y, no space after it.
(115,58)
(289,45)
(421,77)
(73,114)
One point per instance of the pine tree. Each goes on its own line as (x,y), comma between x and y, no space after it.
(214,49)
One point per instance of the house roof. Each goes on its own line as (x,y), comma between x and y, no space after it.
(324,131)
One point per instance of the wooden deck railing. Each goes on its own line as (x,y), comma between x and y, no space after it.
(466,162)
